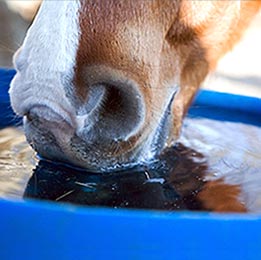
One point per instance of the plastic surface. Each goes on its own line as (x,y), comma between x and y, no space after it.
(40,230)
(46,231)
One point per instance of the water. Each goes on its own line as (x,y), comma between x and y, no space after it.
(17,161)
(215,166)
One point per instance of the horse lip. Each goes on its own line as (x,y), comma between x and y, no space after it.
(49,114)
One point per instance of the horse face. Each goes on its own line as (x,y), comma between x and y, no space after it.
(104,84)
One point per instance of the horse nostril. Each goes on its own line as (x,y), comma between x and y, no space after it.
(118,115)
(121,112)
(29,117)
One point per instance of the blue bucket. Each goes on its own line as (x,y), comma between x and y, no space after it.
(45,230)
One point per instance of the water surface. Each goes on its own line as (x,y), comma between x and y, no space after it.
(215,166)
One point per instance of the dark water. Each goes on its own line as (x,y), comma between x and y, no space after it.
(215,166)
(166,184)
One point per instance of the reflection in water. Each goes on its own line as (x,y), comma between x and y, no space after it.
(215,166)
(233,153)
(171,183)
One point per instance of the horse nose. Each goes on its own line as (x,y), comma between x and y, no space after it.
(112,112)
(52,115)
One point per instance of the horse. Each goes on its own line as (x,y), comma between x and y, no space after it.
(105,84)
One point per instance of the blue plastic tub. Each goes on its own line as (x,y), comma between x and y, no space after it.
(42,230)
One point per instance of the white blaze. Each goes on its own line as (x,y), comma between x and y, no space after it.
(45,64)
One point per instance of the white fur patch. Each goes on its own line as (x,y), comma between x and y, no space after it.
(46,60)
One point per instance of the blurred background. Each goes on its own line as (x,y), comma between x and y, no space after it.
(238,72)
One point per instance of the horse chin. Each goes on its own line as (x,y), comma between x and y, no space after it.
(62,145)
